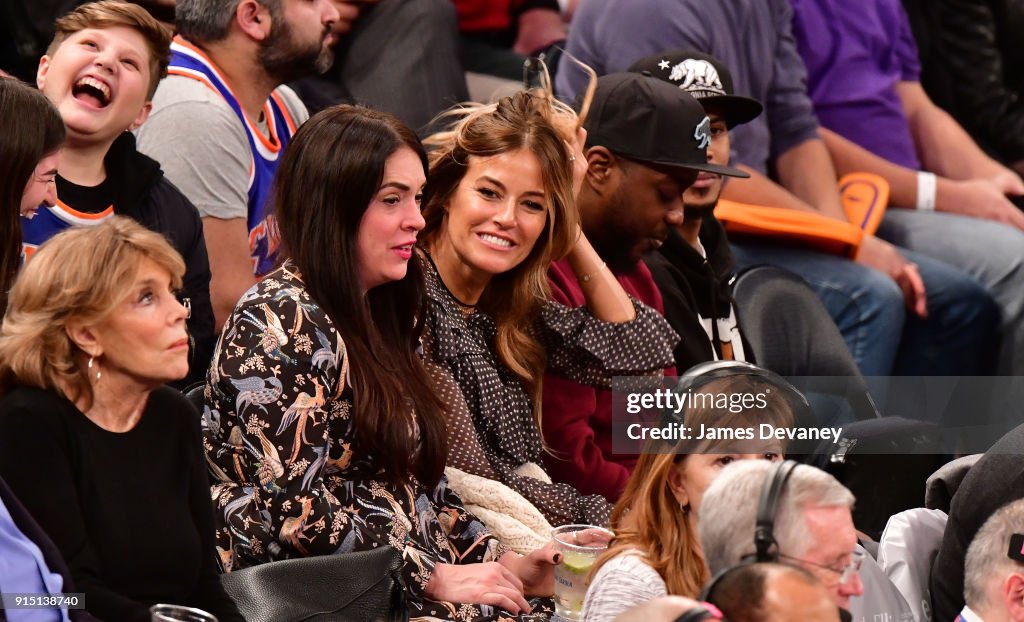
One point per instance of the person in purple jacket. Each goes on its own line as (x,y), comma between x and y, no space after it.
(863,76)
(950,320)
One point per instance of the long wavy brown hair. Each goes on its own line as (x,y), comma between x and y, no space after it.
(535,121)
(647,518)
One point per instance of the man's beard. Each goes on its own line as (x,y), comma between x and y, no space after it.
(699,211)
(284,59)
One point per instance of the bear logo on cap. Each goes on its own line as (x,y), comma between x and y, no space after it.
(695,71)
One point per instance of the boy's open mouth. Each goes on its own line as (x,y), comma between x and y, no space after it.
(91,91)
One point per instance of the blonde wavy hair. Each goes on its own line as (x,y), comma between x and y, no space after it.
(536,121)
(80,273)
(647,517)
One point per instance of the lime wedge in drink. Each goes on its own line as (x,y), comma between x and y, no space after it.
(578,563)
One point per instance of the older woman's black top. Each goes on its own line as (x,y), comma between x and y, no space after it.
(130,512)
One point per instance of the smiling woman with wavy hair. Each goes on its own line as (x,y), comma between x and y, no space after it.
(500,208)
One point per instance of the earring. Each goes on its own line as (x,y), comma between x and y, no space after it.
(685,507)
(99,374)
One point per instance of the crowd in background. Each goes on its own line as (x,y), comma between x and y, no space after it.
(275,288)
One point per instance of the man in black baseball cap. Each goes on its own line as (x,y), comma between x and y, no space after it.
(695,267)
(647,141)
(641,125)
(708,80)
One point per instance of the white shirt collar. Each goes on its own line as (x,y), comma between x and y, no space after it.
(969,616)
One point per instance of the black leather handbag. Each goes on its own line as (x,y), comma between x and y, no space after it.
(351,587)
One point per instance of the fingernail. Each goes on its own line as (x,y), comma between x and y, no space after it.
(558,557)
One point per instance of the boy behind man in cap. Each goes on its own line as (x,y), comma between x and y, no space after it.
(647,142)
(694,268)
(101,71)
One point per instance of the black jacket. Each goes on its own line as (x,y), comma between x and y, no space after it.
(695,289)
(973,67)
(143,193)
(996,479)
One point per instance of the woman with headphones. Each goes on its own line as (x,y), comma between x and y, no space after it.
(656,550)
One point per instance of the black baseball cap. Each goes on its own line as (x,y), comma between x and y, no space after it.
(645,119)
(703,76)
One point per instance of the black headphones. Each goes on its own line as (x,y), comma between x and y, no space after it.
(704,373)
(766,547)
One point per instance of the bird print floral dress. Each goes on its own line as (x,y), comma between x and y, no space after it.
(287,478)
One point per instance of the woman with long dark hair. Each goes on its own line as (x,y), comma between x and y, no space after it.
(324,433)
(29,154)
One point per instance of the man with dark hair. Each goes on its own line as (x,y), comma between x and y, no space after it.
(647,142)
(413,81)
(899,311)
(772,592)
(222,118)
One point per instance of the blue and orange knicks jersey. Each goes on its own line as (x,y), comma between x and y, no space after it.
(189,61)
(48,221)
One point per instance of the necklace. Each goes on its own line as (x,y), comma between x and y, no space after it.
(462,304)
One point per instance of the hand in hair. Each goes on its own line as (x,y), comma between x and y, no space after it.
(490,583)
(579,164)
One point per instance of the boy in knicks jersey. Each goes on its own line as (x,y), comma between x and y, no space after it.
(101,71)
(223,117)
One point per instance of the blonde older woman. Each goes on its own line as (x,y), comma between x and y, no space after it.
(107,459)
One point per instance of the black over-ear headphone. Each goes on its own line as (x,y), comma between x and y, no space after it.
(766,548)
(704,373)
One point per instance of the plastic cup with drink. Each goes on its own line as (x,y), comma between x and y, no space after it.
(580,546)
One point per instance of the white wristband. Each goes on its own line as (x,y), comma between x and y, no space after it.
(926,186)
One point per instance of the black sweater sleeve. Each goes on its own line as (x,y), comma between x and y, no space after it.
(34,460)
(210,595)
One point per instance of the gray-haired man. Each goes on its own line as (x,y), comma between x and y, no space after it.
(994,569)
(813,525)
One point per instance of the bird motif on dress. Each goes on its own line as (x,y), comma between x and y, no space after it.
(256,390)
(302,409)
(272,337)
(324,355)
(293,528)
(306,309)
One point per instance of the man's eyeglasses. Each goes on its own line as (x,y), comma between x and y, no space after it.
(845,573)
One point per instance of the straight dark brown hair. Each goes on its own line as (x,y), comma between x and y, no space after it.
(330,172)
(33,129)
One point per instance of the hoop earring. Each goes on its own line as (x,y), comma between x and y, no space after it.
(99,374)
